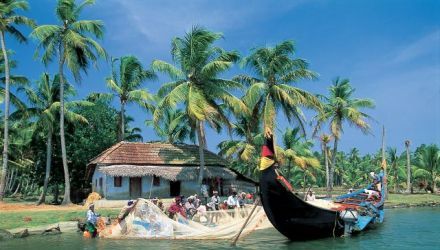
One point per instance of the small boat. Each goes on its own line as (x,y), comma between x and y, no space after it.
(301,220)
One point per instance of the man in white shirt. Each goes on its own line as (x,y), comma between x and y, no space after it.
(92,217)
(233,201)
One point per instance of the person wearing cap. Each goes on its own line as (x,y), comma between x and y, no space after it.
(154,200)
(189,206)
(126,210)
(92,218)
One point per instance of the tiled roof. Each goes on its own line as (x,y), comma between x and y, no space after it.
(135,153)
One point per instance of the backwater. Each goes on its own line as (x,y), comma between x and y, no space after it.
(404,228)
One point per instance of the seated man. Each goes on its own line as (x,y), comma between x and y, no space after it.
(189,206)
(310,196)
(176,208)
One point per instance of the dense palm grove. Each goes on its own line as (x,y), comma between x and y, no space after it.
(45,115)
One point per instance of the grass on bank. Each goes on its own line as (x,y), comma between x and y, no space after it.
(23,219)
(29,218)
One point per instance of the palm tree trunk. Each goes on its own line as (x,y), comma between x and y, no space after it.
(66,199)
(202,139)
(122,120)
(16,190)
(48,166)
(11,180)
(327,177)
(396,181)
(304,179)
(6,121)
(408,168)
(333,165)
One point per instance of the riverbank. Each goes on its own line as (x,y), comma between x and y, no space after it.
(15,215)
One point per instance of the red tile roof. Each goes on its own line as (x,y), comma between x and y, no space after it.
(136,153)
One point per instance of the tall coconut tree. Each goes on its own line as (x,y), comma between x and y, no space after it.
(196,83)
(71,41)
(341,107)
(8,21)
(126,84)
(325,140)
(45,102)
(428,163)
(393,159)
(274,70)
(408,167)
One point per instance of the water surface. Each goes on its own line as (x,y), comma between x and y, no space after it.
(409,228)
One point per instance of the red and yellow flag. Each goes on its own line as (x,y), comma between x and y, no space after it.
(267,153)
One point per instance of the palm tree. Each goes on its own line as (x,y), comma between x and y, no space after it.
(8,19)
(408,168)
(72,42)
(174,127)
(270,89)
(45,101)
(393,158)
(341,107)
(196,83)
(127,86)
(428,162)
(325,139)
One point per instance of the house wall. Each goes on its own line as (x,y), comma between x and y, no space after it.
(95,183)
(156,191)
(187,188)
(118,193)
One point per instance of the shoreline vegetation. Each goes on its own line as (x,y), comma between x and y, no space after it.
(17,216)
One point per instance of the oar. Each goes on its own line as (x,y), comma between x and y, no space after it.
(234,243)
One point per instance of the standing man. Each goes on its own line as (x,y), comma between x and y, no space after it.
(92,218)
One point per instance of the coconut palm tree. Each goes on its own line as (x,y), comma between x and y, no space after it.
(174,127)
(270,90)
(196,83)
(126,85)
(340,107)
(8,21)
(45,103)
(72,42)
(325,139)
(408,167)
(428,162)
(394,161)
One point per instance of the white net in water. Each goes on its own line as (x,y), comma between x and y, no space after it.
(147,221)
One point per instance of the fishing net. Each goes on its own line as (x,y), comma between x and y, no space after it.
(146,220)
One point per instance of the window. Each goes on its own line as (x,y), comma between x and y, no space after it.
(100,183)
(156,181)
(117,181)
(96,183)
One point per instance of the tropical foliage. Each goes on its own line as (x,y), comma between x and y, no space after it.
(341,107)
(45,113)
(72,43)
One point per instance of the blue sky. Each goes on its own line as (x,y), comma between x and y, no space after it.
(390,51)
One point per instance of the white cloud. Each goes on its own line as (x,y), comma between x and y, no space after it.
(429,44)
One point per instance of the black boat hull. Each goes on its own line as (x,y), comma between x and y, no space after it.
(293,217)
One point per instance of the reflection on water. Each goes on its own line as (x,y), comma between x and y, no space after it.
(416,228)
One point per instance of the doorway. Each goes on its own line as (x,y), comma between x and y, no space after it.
(174,188)
(135,187)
